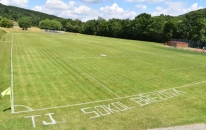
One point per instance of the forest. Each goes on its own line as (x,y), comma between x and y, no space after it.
(189,27)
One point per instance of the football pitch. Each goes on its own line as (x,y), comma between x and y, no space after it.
(69,81)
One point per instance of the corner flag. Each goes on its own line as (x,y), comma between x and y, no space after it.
(6,92)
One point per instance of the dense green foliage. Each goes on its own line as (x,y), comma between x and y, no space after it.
(161,28)
(6,23)
(24,23)
(50,24)
(190,26)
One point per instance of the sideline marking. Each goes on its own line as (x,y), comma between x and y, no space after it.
(174,74)
(183,68)
(12,76)
(92,78)
(79,104)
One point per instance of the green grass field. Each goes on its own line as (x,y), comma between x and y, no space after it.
(62,82)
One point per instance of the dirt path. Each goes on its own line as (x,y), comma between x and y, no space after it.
(190,49)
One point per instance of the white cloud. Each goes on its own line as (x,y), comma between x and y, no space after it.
(148,1)
(5,2)
(134,0)
(111,9)
(141,6)
(43,9)
(82,12)
(115,11)
(175,9)
(85,13)
(56,4)
(61,9)
(92,1)
(55,7)
(19,3)
(195,7)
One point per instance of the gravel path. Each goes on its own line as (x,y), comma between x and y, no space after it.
(185,127)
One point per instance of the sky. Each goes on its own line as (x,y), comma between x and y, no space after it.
(108,9)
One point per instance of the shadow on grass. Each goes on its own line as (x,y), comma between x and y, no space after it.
(7,109)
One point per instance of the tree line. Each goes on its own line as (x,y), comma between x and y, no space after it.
(190,26)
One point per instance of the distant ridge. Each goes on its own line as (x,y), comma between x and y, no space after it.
(15,13)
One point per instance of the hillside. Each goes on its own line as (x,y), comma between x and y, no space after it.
(201,12)
(15,13)
(145,27)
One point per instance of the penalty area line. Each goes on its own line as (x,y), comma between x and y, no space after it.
(92,78)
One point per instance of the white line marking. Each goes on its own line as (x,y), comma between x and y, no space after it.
(92,78)
(12,78)
(90,57)
(86,103)
(174,74)
(136,53)
(184,68)
(127,54)
(24,106)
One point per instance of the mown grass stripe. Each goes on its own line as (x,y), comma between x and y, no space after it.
(124,76)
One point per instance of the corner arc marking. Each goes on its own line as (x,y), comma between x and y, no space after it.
(30,109)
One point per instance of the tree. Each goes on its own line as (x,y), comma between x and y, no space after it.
(140,26)
(50,24)
(44,24)
(126,30)
(89,27)
(6,23)
(183,29)
(55,25)
(74,25)
(66,24)
(156,28)
(169,29)
(115,27)
(199,31)
(24,23)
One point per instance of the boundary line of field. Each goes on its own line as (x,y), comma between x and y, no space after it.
(86,103)
(98,101)
(183,68)
(92,78)
(12,76)
(175,75)
(171,71)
